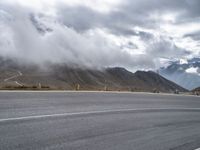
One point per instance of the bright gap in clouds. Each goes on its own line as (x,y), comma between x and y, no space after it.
(103,6)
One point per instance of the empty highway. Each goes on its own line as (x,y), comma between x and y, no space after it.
(98,121)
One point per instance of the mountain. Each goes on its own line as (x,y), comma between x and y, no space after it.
(185,73)
(14,76)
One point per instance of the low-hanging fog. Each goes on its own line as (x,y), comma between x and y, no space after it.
(139,34)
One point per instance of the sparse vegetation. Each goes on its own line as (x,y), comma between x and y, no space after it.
(25,87)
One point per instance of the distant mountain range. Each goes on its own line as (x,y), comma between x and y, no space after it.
(184,72)
(63,77)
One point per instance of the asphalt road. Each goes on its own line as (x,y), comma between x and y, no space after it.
(98,121)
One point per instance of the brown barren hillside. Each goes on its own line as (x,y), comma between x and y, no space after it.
(14,76)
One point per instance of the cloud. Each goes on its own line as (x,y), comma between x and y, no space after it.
(133,34)
(40,39)
(195,35)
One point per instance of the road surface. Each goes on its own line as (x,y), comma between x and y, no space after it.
(98,121)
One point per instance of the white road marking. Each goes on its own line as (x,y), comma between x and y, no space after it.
(197,149)
(97,112)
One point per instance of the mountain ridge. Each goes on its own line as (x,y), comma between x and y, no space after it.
(68,78)
(186,74)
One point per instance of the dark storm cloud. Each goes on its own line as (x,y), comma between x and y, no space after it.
(166,48)
(129,14)
(80,18)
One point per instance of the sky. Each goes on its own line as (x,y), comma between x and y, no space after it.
(135,34)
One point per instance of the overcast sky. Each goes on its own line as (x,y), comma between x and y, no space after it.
(136,34)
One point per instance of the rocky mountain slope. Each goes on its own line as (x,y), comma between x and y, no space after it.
(64,77)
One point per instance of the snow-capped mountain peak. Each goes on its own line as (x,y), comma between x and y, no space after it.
(184,72)
(193,70)
(183,61)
